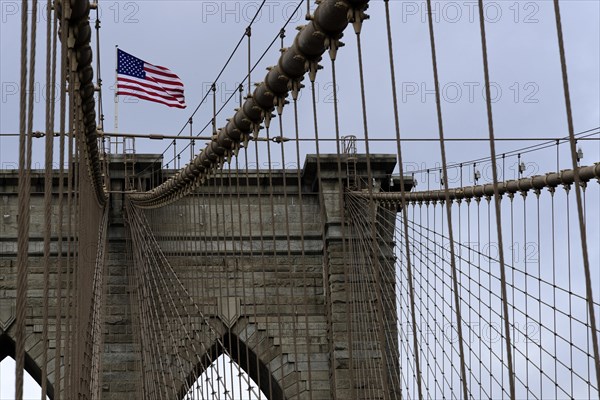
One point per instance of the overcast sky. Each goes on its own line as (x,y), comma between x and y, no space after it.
(195,38)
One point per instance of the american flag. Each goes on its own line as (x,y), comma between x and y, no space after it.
(140,79)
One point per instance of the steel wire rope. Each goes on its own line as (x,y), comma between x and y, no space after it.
(347,285)
(358,216)
(548,181)
(61,205)
(156,318)
(156,203)
(146,385)
(425,332)
(47,198)
(447,275)
(322,213)
(521,353)
(553,285)
(399,154)
(417,256)
(156,260)
(364,312)
(71,178)
(224,251)
(40,134)
(448,204)
(240,267)
(281,35)
(253,273)
(524,196)
(144,282)
(263,258)
(289,252)
(580,349)
(303,248)
(292,269)
(522,150)
(578,196)
(358,20)
(539,287)
(211,120)
(274,241)
(214,360)
(157,251)
(193,209)
(413,260)
(238,277)
(235,49)
(193,203)
(400,304)
(221,72)
(520,290)
(447,304)
(583,351)
(218,112)
(216,282)
(24,185)
(99,75)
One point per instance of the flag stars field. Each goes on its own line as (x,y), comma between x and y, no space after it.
(140,79)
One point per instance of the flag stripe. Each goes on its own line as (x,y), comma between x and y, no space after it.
(140,79)
(151,85)
(136,88)
(165,82)
(151,68)
(151,98)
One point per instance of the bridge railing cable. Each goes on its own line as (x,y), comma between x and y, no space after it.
(232,95)
(323,31)
(216,80)
(81,56)
(549,360)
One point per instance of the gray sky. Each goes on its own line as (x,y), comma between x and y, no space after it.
(194,39)
(31,390)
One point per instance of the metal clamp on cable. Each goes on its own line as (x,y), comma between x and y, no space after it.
(280,139)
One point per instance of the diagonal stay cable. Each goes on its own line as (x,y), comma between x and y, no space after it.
(522,150)
(578,196)
(330,20)
(156,251)
(235,49)
(221,73)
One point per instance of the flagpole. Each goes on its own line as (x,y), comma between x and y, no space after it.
(116,91)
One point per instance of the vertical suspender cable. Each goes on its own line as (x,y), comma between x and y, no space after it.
(23,221)
(497,199)
(448,204)
(373,215)
(61,187)
(47,201)
(582,230)
(344,228)
(409,266)
(303,252)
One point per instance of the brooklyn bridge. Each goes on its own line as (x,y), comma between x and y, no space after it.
(291,248)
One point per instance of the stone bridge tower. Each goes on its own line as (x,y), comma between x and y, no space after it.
(307,279)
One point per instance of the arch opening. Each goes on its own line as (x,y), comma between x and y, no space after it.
(241,376)
(32,378)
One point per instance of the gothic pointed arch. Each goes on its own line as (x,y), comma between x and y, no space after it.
(245,357)
(8,349)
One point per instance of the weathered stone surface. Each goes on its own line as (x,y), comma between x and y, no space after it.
(281,261)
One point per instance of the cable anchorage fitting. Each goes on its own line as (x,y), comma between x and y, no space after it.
(280,139)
